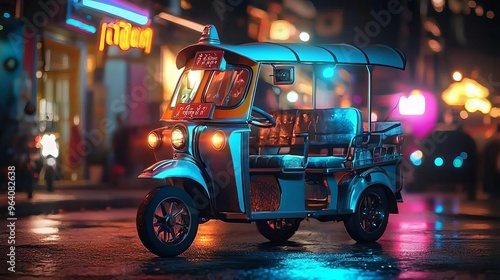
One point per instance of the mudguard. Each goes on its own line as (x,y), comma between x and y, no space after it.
(175,168)
(370,177)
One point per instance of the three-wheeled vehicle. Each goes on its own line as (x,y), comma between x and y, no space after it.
(219,156)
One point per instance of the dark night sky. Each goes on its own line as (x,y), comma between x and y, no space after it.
(482,34)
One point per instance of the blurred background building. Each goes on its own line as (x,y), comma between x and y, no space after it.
(84,62)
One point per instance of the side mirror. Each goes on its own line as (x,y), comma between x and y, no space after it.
(284,75)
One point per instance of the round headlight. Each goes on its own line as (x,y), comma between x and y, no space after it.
(178,138)
(153,140)
(219,140)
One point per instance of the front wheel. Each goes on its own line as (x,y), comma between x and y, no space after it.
(370,217)
(278,230)
(167,221)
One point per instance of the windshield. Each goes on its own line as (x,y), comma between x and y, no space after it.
(224,88)
(227,88)
(187,87)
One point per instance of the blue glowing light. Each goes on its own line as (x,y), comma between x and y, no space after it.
(81,25)
(458,162)
(463,155)
(6,15)
(438,161)
(127,14)
(438,225)
(328,72)
(416,157)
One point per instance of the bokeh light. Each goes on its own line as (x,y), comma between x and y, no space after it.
(464,114)
(328,72)
(304,36)
(438,161)
(479,11)
(458,162)
(292,96)
(416,157)
(457,76)
(417,125)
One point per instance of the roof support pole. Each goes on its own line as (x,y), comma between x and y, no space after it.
(369,68)
(314,88)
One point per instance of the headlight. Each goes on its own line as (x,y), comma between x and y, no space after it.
(219,140)
(153,140)
(178,138)
(51,161)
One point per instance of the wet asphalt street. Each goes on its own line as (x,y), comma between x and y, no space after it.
(104,244)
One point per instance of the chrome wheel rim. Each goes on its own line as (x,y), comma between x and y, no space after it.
(171,221)
(371,212)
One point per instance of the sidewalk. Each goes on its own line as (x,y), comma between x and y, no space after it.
(85,195)
(71,196)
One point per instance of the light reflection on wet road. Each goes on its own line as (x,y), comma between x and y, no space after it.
(417,244)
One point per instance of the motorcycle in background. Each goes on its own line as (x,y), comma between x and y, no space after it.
(50,152)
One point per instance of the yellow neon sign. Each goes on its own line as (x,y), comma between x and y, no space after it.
(124,36)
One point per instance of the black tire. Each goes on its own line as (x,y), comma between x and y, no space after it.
(278,230)
(370,218)
(151,218)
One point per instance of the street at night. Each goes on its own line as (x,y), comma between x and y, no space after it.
(250,139)
(418,244)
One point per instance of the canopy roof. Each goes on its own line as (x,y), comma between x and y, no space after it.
(297,52)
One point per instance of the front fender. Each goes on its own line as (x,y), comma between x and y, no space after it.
(175,168)
(371,177)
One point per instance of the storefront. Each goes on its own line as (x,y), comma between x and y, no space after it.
(60,83)
(92,67)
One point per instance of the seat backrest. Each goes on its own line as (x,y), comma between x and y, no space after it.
(333,127)
(281,134)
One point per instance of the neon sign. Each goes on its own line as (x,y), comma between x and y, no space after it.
(120,9)
(123,35)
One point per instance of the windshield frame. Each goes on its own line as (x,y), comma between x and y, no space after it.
(175,96)
(233,68)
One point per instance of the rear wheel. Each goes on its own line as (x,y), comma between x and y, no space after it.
(278,230)
(371,215)
(167,221)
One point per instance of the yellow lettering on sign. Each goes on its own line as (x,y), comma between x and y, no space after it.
(123,35)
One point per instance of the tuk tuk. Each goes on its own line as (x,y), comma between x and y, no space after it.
(219,156)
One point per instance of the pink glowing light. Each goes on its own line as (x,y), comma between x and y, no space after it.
(417,110)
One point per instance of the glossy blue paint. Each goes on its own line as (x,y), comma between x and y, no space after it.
(377,176)
(235,140)
(303,53)
(175,168)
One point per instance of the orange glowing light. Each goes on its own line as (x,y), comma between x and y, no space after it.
(123,35)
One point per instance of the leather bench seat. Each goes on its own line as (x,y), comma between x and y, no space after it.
(295,162)
(327,128)
(326,162)
(276,161)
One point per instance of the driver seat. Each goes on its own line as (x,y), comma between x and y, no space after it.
(282,133)
(274,142)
